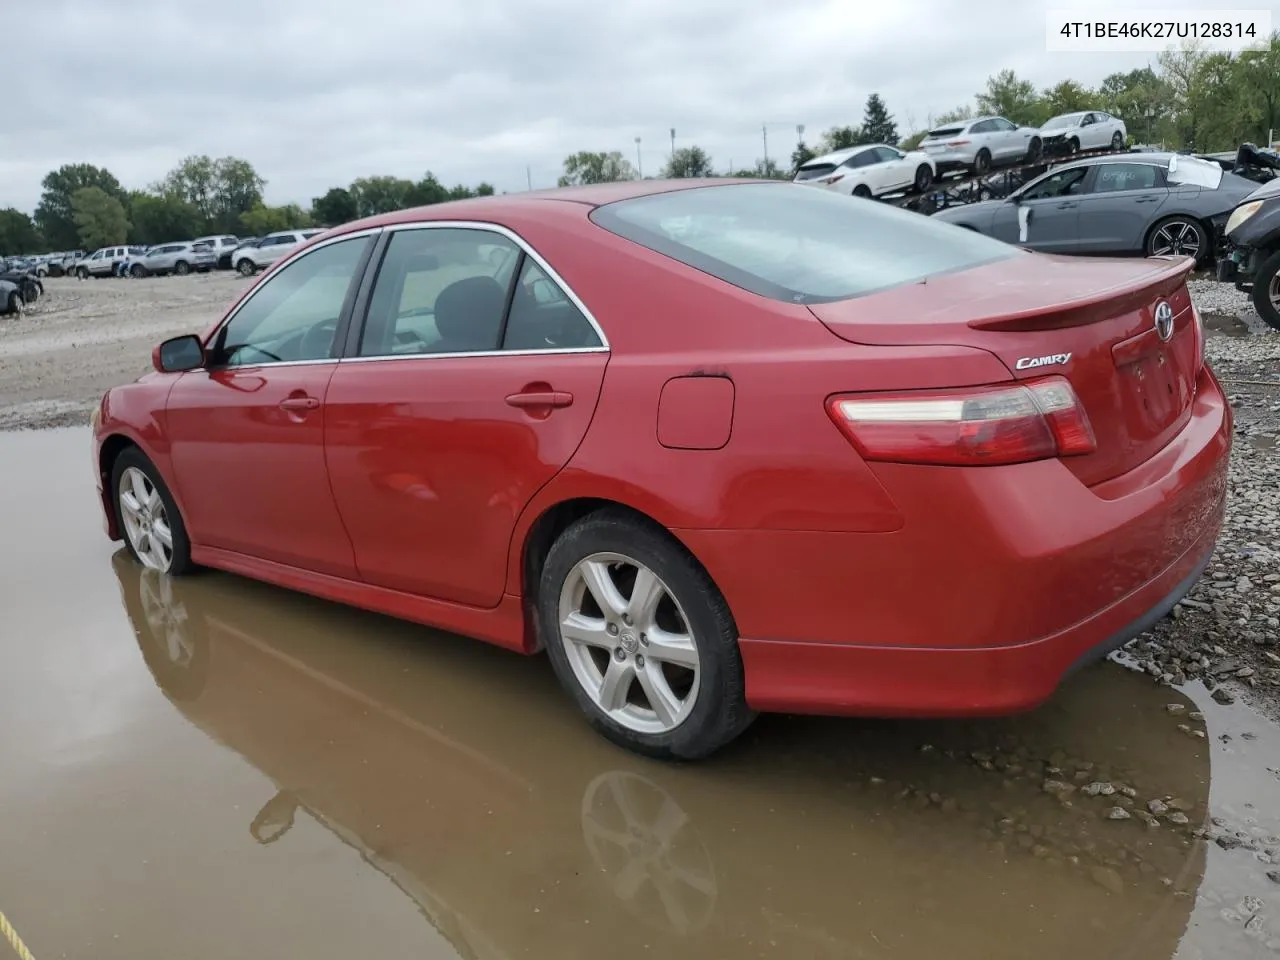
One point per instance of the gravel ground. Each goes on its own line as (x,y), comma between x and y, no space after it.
(1226,633)
(85,336)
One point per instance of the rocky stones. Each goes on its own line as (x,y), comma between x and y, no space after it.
(1118,813)
(1224,696)
(1099,788)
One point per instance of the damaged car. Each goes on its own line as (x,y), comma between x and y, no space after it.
(25,279)
(11,302)
(1128,204)
(1252,260)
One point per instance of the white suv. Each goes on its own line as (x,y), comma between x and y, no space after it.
(249,260)
(103,262)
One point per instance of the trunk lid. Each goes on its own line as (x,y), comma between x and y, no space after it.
(1092,321)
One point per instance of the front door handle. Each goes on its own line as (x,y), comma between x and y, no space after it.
(299,403)
(540,398)
(1066,206)
(1146,199)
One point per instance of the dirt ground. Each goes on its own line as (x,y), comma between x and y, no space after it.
(84,336)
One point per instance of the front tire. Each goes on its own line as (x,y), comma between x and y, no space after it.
(641,638)
(1034,151)
(1073,145)
(83,273)
(245,267)
(137,271)
(924,177)
(1117,142)
(863,191)
(1266,290)
(148,516)
(14,305)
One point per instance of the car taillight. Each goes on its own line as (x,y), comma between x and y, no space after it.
(957,143)
(838,176)
(978,426)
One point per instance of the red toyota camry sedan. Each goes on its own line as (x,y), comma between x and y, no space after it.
(718,447)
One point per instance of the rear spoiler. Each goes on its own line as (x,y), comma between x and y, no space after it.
(1169,274)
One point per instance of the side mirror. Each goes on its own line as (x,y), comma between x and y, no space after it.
(178,354)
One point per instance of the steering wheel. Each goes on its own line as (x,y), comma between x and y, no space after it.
(317,342)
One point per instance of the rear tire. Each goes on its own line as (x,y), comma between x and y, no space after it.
(83,273)
(245,267)
(182,268)
(1179,236)
(148,516)
(1266,290)
(14,304)
(1117,142)
(982,162)
(703,702)
(137,271)
(924,177)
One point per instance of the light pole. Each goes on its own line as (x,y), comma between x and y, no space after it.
(639,164)
(673,143)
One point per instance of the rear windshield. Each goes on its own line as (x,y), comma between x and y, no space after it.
(795,243)
(1195,172)
(812,171)
(946,132)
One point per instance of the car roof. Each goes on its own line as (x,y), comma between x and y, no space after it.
(839,156)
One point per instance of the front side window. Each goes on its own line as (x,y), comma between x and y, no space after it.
(1060,184)
(294,314)
(1002,124)
(796,244)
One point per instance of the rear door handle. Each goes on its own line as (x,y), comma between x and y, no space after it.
(1146,199)
(299,403)
(540,398)
(1066,206)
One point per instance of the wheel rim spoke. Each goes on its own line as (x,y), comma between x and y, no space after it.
(145,521)
(616,686)
(628,643)
(602,587)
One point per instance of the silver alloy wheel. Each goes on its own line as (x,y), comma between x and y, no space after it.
(146,523)
(1177,237)
(629,643)
(1273,291)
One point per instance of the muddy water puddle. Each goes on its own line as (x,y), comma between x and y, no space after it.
(211,767)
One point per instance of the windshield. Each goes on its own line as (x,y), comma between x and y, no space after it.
(1066,120)
(1194,172)
(795,243)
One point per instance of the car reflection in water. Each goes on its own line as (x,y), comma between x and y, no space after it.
(466,779)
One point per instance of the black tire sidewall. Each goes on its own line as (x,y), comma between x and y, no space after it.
(720,712)
(133,457)
(1261,294)
(925,175)
(982,161)
(245,268)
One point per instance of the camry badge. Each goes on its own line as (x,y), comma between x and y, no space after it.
(1031,363)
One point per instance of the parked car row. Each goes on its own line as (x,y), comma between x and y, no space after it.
(181,257)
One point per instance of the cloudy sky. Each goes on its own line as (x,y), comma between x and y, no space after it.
(317,92)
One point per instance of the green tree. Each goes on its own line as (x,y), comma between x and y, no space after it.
(587,167)
(841,138)
(335,207)
(263,219)
(801,155)
(1259,74)
(237,189)
(877,124)
(954,115)
(99,217)
(18,233)
(382,194)
(1182,71)
(55,217)
(157,219)
(1014,99)
(1068,97)
(1141,98)
(688,162)
(763,170)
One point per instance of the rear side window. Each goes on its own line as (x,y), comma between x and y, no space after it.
(797,244)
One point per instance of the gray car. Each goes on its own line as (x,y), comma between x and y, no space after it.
(180,257)
(1143,204)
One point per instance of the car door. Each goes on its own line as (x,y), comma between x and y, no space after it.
(1044,216)
(1119,204)
(246,433)
(888,170)
(1094,134)
(1007,143)
(456,407)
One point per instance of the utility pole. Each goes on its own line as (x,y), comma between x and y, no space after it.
(639,163)
(764,133)
(528,175)
(673,143)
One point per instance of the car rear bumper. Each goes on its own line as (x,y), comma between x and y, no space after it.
(951,158)
(997,586)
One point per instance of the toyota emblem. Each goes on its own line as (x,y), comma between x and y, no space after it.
(1164,320)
